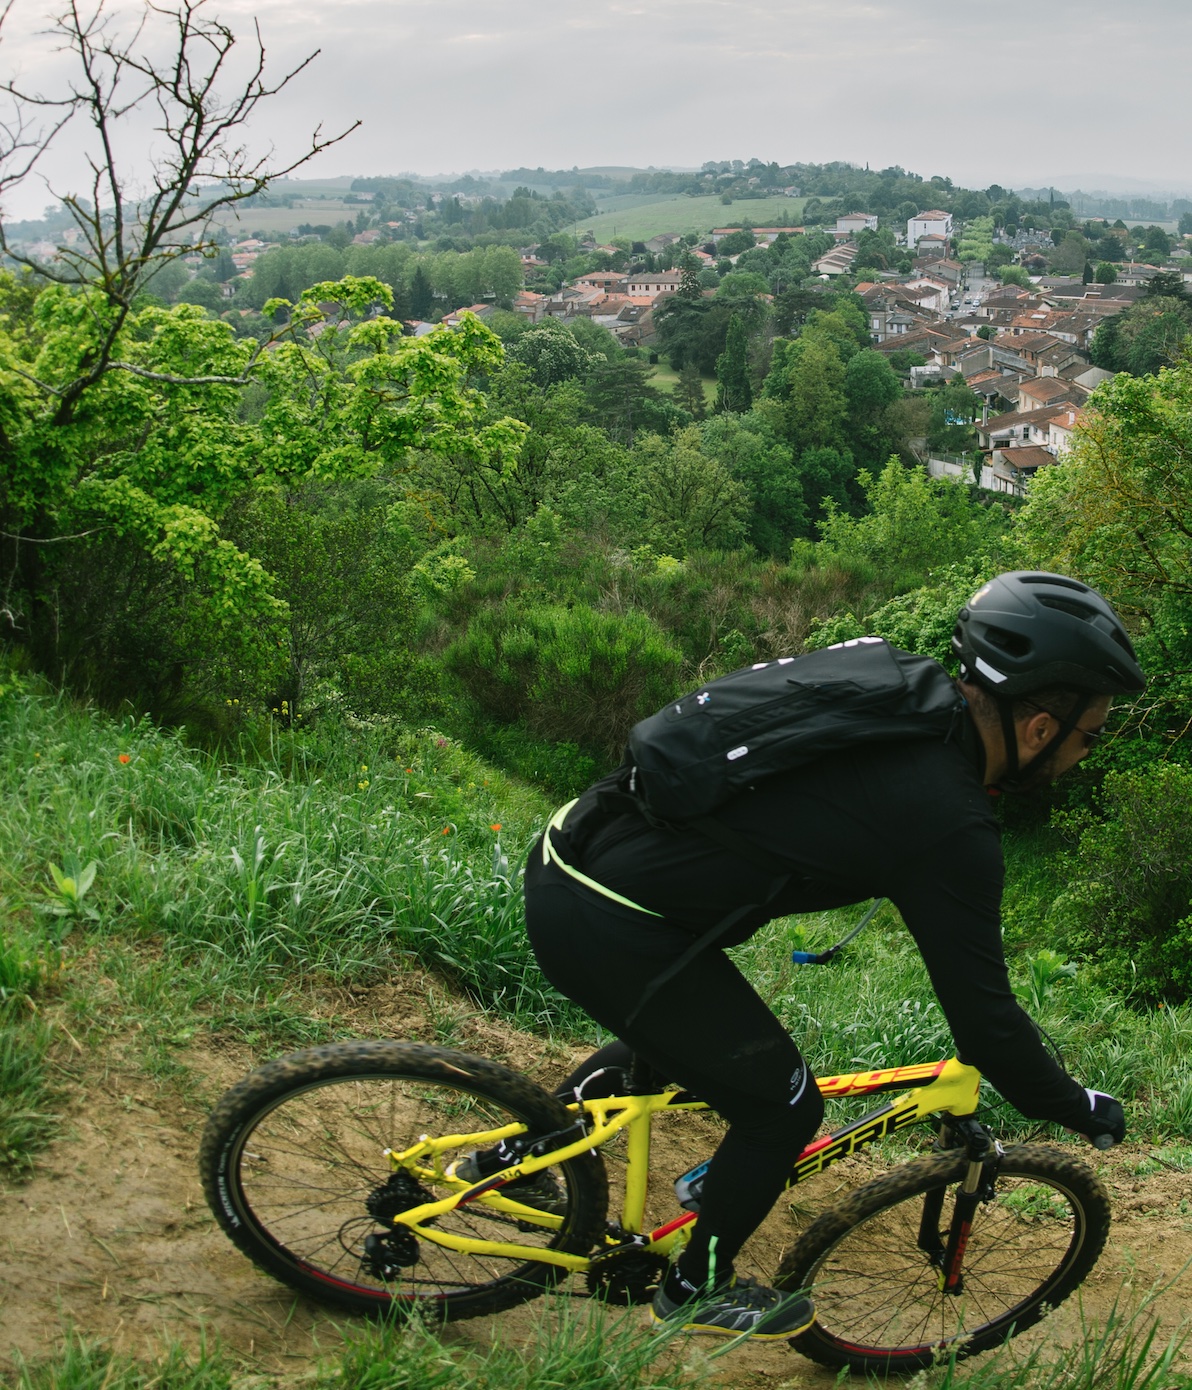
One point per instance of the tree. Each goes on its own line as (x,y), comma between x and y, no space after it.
(1119,515)
(694,503)
(690,286)
(751,452)
(1106,274)
(689,392)
(620,398)
(1185,227)
(202,169)
(953,411)
(421,293)
(734,389)
(551,353)
(1015,275)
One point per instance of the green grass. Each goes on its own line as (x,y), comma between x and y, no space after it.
(678,213)
(569,1347)
(665,378)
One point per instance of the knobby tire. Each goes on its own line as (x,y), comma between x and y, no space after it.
(878,1300)
(291,1154)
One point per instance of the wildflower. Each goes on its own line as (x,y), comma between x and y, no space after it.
(228,702)
(124,758)
(496,828)
(440,743)
(446,830)
(362,786)
(363,767)
(409,770)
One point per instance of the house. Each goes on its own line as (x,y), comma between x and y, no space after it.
(602,280)
(368,236)
(933,247)
(940,267)
(530,305)
(928,224)
(662,242)
(452,320)
(1060,431)
(1049,390)
(837,261)
(1013,469)
(1016,428)
(853,222)
(651,286)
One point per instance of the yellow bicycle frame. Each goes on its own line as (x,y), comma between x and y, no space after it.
(935,1087)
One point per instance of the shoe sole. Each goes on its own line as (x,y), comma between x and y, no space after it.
(703,1329)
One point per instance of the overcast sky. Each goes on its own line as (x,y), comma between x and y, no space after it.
(1012,91)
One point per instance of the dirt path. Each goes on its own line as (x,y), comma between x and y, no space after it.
(112,1238)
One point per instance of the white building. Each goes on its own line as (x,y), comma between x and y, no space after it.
(932,223)
(856,222)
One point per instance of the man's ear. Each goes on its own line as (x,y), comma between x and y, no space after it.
(1035,732)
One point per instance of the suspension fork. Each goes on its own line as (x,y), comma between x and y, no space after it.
(982,1151)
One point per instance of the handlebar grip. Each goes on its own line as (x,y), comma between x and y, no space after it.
(1103,1141)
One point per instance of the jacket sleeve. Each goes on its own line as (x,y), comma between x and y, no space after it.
(950,901)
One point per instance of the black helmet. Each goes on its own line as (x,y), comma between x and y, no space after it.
(1028,630)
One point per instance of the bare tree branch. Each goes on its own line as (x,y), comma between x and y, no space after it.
(122,240)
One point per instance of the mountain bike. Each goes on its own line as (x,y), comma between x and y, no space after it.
(395,1176)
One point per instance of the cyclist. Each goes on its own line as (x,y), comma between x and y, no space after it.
(611,900)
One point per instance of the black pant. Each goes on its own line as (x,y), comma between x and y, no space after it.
(706,1029)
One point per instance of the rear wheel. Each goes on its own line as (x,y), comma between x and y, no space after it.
(879,1304)
(294,1168)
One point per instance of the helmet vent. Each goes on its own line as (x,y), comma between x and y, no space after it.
(1054,581)
(1009,642)
(1077,610)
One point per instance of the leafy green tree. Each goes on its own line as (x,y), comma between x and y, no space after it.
(735,242)
(953,411)
(734,388)
(871,386)
(622,401)
(1119,514)
(826,476)
(1014,275)
(693,501)
(913,524)
(551,353)
(689,392)
(749,449)
(344,571)
(816,402)
(1106,273)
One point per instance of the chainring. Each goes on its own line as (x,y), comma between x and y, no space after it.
(626,1275)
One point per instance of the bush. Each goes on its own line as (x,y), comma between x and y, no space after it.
(570,674)
(1129,903)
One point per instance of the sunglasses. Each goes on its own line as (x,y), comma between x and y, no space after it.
(1090,736)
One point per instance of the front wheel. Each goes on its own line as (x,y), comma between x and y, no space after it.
(294,1165)
(873,1266)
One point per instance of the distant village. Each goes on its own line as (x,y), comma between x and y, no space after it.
(1024,352)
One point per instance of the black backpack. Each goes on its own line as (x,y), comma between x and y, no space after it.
(699,752)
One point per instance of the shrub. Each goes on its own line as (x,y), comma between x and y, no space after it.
(570,674)
(1129,903)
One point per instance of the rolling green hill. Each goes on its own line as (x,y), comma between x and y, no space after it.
(629,216)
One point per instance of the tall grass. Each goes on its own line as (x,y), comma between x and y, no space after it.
(223,886)
(329,859)
(873,1006)
(589,1348)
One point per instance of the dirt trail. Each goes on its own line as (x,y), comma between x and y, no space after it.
(112,1237)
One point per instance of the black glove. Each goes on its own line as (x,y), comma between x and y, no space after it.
(1106,1125)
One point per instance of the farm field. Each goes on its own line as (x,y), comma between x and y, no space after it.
(679,213)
